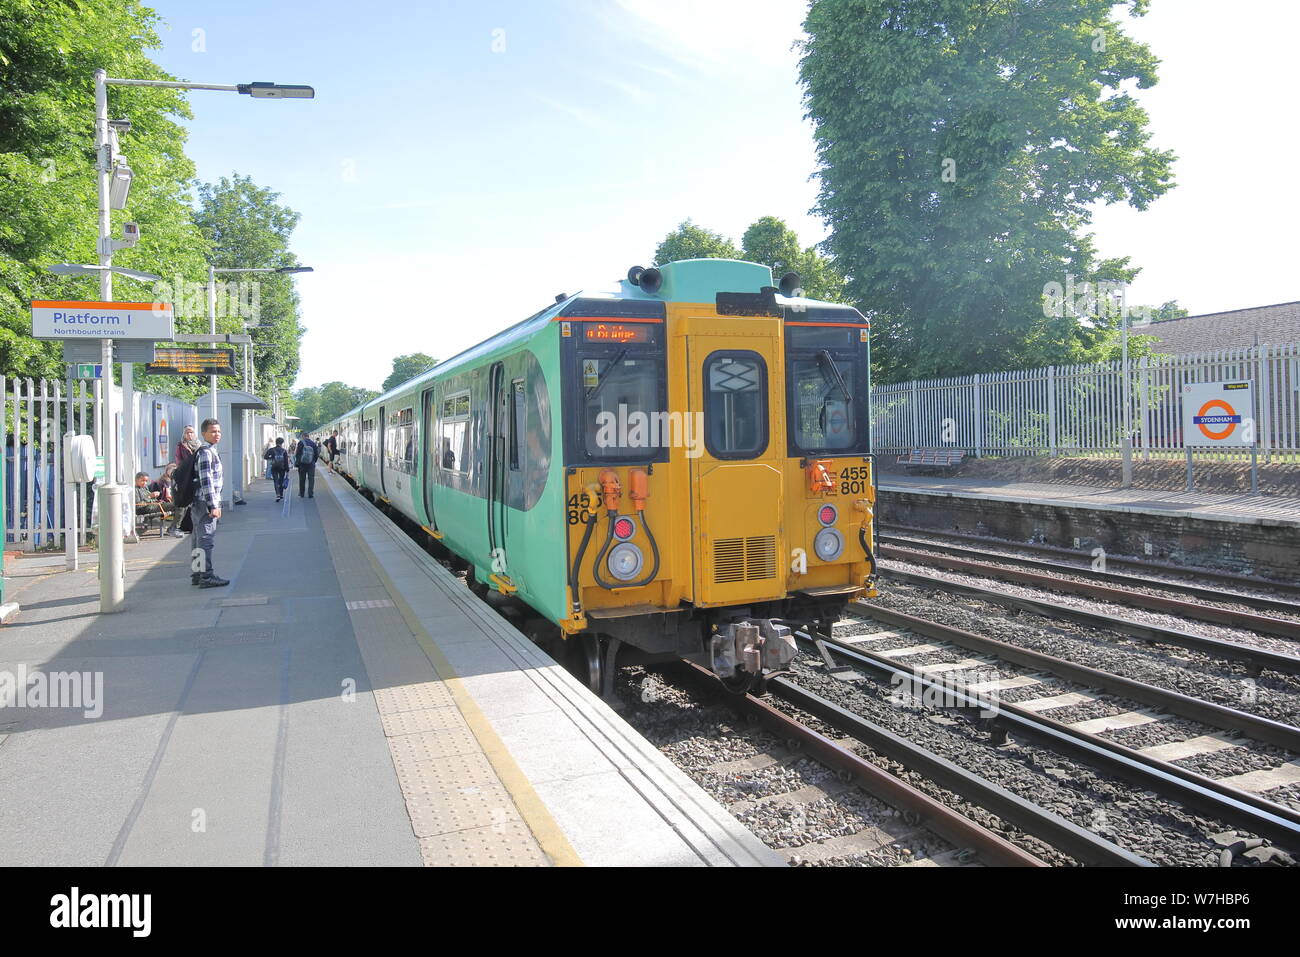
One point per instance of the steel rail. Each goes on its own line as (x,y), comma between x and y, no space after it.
(1265,602)
(1046,825)
(1207,574)
(894,791)
(1264,624)
(1256,658)
(1205,795)
(1254,726)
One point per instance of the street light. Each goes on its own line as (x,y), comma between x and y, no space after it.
(70,269)
(112,194)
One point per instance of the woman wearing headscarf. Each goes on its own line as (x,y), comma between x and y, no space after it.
(187,446)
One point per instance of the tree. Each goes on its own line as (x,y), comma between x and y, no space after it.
(407,367)
(689,241)
(247,228)
(960,149)
(771,242)
(317,405)
(768,241)
(48,55)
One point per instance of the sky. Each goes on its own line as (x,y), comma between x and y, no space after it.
(463,163)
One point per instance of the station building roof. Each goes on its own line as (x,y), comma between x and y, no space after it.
(1236,329)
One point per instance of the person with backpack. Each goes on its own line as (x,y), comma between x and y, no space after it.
(305,459)
(277,464)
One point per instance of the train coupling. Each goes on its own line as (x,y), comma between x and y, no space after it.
(756,646)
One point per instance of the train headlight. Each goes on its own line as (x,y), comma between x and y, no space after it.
(625,561)
(624,528)
(829,544)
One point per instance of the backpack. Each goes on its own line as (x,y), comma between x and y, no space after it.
(279,458)
(186,481)
(306,453)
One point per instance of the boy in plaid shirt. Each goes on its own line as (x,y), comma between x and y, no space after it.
(205,510)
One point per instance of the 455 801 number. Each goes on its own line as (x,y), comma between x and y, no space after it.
(854,479)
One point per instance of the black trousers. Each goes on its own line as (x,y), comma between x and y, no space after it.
(307,479)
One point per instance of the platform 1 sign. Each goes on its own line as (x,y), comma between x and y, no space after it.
(102,320)
(1218,414)
(192,362)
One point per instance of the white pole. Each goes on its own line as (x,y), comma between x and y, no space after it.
(1126,467)
(111,564)
(212,330)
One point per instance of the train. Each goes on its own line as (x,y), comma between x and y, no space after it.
(678,466)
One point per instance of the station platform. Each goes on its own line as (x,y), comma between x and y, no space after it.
(1245,534)
(344,701)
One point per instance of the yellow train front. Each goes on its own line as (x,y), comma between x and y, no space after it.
(719,478)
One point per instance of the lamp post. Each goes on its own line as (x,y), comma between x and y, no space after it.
(114,186)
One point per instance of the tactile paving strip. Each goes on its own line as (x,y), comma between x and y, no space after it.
(431,778)
(433,745)
(500,845)
(430,719)
(460,810)
(418,697)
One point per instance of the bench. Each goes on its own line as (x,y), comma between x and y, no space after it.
(947,459)
(160,514)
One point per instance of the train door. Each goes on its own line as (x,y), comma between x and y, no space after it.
(428,467)
(735,383)
(381,425)
(497,428)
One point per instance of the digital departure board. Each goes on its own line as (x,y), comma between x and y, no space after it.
(192,362)
(616,332)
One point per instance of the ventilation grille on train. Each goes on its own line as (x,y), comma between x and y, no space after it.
(744,559)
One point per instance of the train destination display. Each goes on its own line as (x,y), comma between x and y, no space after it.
(192,362)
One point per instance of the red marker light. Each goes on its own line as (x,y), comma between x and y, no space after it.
(826,515)
(623,529)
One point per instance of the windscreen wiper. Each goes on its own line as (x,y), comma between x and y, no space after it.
(604,376)
(826,362)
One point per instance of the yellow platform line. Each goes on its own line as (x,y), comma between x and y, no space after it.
(531,807)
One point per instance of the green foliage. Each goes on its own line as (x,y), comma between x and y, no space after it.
(960,148)
(1169,310)
(769,241)
(247,228)
(689,241)
(317,405)
(407,367)
(49,52)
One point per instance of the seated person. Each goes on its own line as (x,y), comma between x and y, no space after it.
(146,500)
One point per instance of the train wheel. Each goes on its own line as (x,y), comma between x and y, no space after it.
(587,662)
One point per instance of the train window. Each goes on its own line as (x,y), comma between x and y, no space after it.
(399,441)
(368,437)
(518,421)
(826,381)
(614,391)
(823,401)
(453,427)
(735,404)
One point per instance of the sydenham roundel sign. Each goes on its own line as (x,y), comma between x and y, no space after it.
(102,320)
(1218,414)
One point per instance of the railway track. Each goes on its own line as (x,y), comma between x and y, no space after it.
(1043,683)
(1257,659)
(794,793)
(1249,590)
(1073,579)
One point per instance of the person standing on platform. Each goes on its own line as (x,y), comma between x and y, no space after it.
(187,446)
(277,466)
(332,443)
(305,459)
(205,510)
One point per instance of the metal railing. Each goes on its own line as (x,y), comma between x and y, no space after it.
(1079,410)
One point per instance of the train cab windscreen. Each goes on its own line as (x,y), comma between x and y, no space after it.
(619,383)
(826,368)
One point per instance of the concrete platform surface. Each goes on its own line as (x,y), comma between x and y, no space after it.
(344,701)
(1206,506)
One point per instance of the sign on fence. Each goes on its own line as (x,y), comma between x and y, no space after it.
(1218,414)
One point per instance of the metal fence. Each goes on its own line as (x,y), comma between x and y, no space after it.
(1079,410)
(36,415)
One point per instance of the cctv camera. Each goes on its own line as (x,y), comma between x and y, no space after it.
(122,126)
